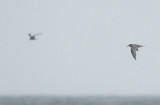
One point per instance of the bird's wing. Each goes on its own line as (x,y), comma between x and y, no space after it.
(133,51)
(139,46)
(37,34)
(136,45)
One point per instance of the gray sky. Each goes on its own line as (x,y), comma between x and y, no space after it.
(83,47)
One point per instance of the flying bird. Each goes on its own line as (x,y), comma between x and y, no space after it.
(33,37)
(134,48)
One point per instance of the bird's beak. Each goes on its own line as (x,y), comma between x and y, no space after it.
(127,46)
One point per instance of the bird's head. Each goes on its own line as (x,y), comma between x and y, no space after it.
(130,45)
(29,34)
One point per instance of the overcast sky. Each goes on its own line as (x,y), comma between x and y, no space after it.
(83,47)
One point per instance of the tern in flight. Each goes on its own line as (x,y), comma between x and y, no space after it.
(134,48)
(33,37)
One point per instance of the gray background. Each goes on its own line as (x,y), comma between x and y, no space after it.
(83,47)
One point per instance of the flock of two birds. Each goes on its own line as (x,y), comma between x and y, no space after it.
(134,47)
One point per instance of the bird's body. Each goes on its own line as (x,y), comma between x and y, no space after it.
(134,48)
(33,37)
